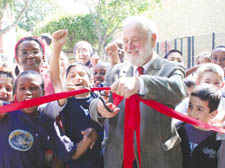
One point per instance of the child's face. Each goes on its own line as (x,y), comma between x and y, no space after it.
(77,79)
(218,57)
(211,78)
(29,55)
(175,57)
(6,89)
(28,87)
(199,109)
(99,75)
(83,54)
(202,60)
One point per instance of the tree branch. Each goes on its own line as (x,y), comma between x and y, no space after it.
(16,21)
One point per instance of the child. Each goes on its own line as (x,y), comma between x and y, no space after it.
(6,88)
(27,133)
(174,55)
(218,56)
(190,85)
(207,73)
(75,115)
(115,51)
(29,54)
(203,57)
(99,72)
(200,146)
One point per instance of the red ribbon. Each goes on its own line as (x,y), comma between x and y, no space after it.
(45,99)
(132,117)
(132,122)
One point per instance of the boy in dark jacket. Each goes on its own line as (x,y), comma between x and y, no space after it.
(199,146)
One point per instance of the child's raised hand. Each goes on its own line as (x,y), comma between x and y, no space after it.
(112,49)
(59,37)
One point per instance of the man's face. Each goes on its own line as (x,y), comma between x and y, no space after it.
(137,46)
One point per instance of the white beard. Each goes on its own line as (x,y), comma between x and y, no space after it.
(142,57)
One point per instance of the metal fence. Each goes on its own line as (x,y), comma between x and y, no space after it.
(191,46)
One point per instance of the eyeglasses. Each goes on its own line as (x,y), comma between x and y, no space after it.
(33,52)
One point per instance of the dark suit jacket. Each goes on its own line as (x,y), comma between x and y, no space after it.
(163,82)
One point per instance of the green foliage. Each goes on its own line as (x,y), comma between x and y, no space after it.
(3,6)
(36,12)
(111,13)
(4,3)
(79,28)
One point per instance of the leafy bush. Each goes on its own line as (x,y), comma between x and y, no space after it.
(79,28)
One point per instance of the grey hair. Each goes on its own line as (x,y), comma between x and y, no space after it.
(141,21)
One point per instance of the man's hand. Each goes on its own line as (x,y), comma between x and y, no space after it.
(104,112)
(59,38)
(126,86)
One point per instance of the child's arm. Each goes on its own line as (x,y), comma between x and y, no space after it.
(88,141)
(2,115)
(59,39)
(191,70)
(112,51)
(62,145)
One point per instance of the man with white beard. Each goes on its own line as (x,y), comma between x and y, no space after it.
(161,81)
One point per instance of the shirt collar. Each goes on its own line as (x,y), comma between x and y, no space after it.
(145,66)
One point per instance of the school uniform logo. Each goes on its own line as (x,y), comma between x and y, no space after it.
(210,152)
(21,140)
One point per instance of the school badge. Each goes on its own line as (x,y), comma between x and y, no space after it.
(21,140)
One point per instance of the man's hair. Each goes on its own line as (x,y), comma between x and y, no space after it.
(209,93)
(47,38)
(210,67)
(172,51)
(84,67)
(143,22)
